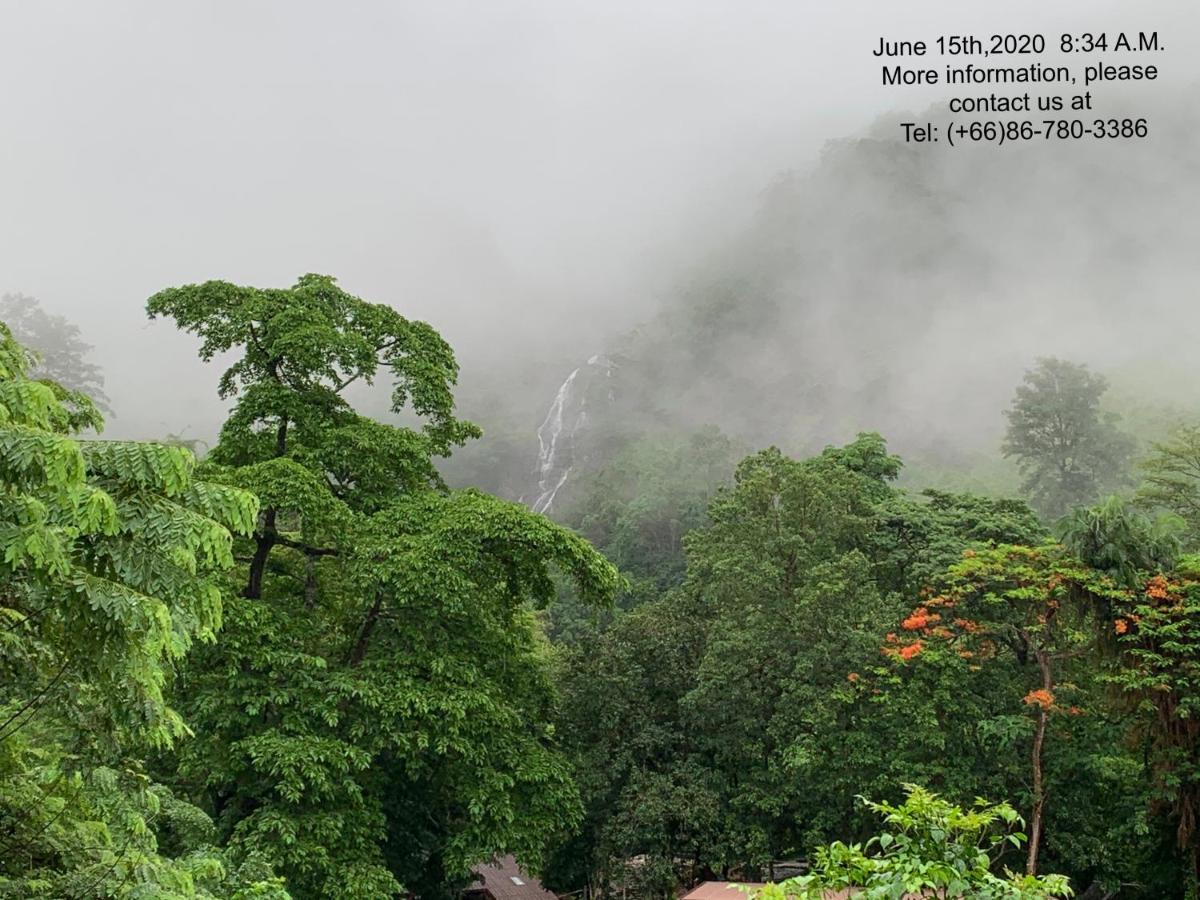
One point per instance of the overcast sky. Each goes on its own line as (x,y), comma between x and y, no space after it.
(500,169)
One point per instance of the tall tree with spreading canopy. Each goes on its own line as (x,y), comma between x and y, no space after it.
(1068,450)
(702,719)
(378,712)
(1038,607)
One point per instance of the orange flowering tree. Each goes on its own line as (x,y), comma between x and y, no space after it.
(1158,634)
(1035,604)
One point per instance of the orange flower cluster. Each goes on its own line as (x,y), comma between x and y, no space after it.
(1157,588)
(921,618)
(852,677)
(1041,698)
(968,626)
(906,652)
(1120,626)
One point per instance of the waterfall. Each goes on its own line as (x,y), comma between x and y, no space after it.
(549,450)
(564,446)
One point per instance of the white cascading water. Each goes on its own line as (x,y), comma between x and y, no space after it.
(560,434)
(549,436)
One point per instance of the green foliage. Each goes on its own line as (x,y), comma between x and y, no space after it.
(1037,603)
(109,554)
(622,712)
(1068,450)
(636,510)
(930,846)
(1116,539)
(920,537)
(343,688)
(110,547)
(1172,479)
(677,712)
(378,711)
(1159,640)
(301,347)
(1036,622)
(640,505)
(835,635)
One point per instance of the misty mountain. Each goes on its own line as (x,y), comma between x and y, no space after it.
(903,289)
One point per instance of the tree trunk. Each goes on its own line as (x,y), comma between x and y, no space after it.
(1039,791)
(262,549)
(310,582)
(364,636)
(1039,797)
(265,541)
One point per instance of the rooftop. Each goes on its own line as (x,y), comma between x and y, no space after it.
(505,880)
(720,890)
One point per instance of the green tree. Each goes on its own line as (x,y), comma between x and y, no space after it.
(59,348)
(378,712)
(646,794)
(638,507)
(636,510)
(685,716)
(919,537)
(1037,603)
(109,556)
(1172,479)
(1068,450)
(1120,541)
(730,721)
(1159,640)
(791,598)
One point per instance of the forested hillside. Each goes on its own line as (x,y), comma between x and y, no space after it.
(894,289)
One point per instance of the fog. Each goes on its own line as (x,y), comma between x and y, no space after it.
(537,179)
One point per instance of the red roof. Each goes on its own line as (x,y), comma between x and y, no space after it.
(505,880)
